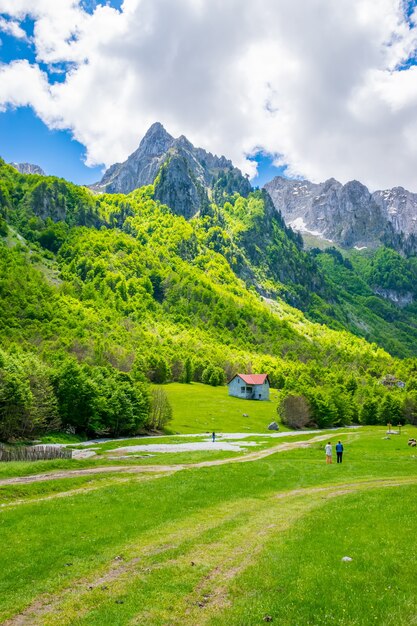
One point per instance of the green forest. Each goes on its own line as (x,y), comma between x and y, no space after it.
(104,296)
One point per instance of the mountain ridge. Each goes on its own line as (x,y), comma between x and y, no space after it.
(184,176)
(28,168)
(349,215)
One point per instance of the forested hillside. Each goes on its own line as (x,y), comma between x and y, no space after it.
(102,294)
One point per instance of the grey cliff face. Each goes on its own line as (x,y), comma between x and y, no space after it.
(346,214)
(184,174)
(399,207)
(28,168)
(179,189)
(142,165)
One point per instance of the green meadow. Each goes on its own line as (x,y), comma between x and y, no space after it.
(214,538)
(201,408)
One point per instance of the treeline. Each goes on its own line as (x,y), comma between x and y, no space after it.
(348,401)
(74,397)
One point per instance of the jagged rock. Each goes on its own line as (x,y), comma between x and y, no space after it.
(346,214)
(184,176)
(179,189)
(28,168)
(399,207)
(273,426)
(141,167)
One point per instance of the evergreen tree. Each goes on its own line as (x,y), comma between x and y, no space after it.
(369,412)
(188,370)
(390,410)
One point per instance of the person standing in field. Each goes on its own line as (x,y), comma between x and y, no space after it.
(328,450)
(213,436)
(339,451)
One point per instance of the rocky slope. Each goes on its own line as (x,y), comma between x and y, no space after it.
(28,168)
(185,177)
(346,214)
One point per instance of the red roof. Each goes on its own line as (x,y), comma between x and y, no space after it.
(253,379)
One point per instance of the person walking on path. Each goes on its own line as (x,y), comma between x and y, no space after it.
(328,450)
(213,436)
(339,451)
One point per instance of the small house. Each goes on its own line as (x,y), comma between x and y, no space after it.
(249,386)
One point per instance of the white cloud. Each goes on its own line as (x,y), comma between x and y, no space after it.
(315,81)
(13,28)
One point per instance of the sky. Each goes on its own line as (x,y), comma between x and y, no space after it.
(304,88)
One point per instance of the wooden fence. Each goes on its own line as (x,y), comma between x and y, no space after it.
(33,453)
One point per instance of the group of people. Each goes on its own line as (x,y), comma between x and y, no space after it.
(329,452)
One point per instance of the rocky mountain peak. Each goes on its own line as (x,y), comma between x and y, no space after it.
(183,142)
(155,142)
(185,176)
(28,168)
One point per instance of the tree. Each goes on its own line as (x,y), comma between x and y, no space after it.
(410,408)
(160,411)
(44,408)
(188,370)
(368,413)
(390,410)
(159,371)
(15,404)
(324,410)
(213,375)
(295,411)
(77,395)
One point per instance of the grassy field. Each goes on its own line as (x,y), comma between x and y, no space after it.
(254,538)
(200,408)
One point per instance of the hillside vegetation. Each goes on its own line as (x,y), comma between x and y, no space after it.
(102,294)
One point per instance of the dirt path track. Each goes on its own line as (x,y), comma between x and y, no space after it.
(160,469)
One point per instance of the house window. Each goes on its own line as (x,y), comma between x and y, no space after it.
(249,389)
(242,389)
(260,395)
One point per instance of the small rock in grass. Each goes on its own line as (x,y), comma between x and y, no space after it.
(347,559)
(67,564)
(119,601)
(273,426)
(192,563)
(268,618)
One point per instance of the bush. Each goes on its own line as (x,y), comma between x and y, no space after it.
(213,375)
(295,412)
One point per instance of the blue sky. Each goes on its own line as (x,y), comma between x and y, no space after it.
(25,138)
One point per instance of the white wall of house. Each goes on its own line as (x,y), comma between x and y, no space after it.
(239,389)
